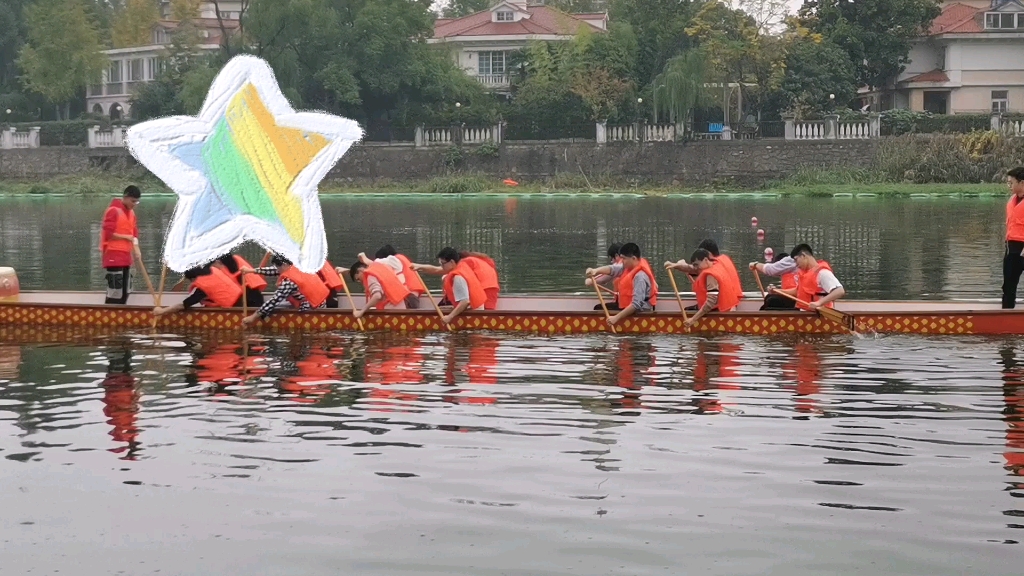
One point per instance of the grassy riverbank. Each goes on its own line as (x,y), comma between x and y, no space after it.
(816,184)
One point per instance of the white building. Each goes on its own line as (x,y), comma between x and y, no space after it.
(130,67)
(480,43)
(970,61)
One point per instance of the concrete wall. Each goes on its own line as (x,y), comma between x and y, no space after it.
(748,162)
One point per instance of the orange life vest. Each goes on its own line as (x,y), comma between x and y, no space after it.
(394,291)
(1015,219)
(728,292)
(220,288)
(477,297)
(330,277)
(253,281)
(310,286)
(125,225)
(624,285)
(412,279)
(807,284)
(789,280)
(485,271)
(734,275)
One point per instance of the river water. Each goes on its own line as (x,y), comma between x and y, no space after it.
(491,454)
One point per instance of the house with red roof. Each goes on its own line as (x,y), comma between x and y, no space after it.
(971,60)
(481,43)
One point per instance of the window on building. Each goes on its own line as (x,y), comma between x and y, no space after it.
(152,67)
(1000,100)
(136,70)
(504,16)
(1004,20)
(491,63)
(114,72)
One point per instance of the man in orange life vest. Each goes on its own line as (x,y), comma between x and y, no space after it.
(1013,259)
(400,265)
(232,264)
(602,279)
(382,286)
(784,267)
(712,248)
(210,287)
(815,283)
(462,289)
(715,288)
(303,291)
(637,288)
(119,238)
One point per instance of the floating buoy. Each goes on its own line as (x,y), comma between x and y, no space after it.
(510,182)
(760,233)
(753,220)
(769,254)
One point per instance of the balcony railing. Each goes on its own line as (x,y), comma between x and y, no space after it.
(115,88)
(493,80)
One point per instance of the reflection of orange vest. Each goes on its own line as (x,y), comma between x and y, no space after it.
(412,279)
(120,405)
(483,359)
(485,272)
(728,294)
(807,284)
(1015,219)
(477,298)
(394,291)
(220,288)
(330,277)
(625,284)
(219,365)
(310,286)
(253,281)
(125,225)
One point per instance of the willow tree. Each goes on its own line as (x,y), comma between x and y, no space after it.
(680,87)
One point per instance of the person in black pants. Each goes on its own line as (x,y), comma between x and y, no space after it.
(1013,258)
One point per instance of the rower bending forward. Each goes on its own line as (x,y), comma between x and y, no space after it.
(816,284)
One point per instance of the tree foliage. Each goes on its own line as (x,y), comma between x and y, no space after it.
(681,87)
(134,23)
(62,50)
(877,33)
(460,8)
(817,69)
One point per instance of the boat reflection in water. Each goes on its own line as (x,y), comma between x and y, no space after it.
(1013,413)
(121,401)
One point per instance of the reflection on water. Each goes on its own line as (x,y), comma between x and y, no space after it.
(937,248)
(454,453)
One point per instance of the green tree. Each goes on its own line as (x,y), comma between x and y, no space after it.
(681,87)
(134,24)
(460,8)
(817,69)
(12,37)
(876,34)
(660,29)
(62,53)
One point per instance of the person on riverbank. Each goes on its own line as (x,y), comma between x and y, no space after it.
(607,281)
(210,287)
(303,291)
(784,268)
(382,286)
(119,242)
(712,248)
(637,288)
(714,287)
(815,283)
(462,289)
(232,264)
(1013,258)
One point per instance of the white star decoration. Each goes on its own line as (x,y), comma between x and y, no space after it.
(247,138)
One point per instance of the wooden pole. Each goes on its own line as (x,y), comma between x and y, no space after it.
(845,320)
(432,301)
(675,288)
(351,301)
(759,285)
(245,299)
(145,275)
(607,315)
(160,294)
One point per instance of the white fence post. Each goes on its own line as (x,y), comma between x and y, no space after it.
(7,138)
(92,136)
(996,121)
(875,123)
(790,132)
(602,132)
(832,126)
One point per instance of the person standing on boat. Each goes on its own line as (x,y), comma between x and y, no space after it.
(210,287)
(783,267)
(714,287)
(303,291)
(462,288)
(638,290)
(232,264)
(602,279)
(381,284)
(1013,259)
(119,241)
(815,282)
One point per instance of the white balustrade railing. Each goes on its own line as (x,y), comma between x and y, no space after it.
(660,133)
(854,131)
(113,138)
(13,138)
(810,131)
(1013,127)
(493,80)
(447,135)
(624,133)
(435,136)
(477,135)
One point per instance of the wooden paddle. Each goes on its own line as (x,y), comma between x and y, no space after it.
(245,299)
(145,275)
(759,285)
(675,288)
(432,301)
(831,314)
(600,297)
(160,294)
(351,302)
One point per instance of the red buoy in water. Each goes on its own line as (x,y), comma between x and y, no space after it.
(753,220)
(769,254)
(760,233)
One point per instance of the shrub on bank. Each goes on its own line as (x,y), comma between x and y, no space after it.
(948,158)
(459,184)
(900,121)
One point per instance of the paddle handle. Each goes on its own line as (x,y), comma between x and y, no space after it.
(679,298)
(351,302)
(433,302)
(145,274)
(760,286)
(245,299)
(600,297)
(160,294)
(847,321)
